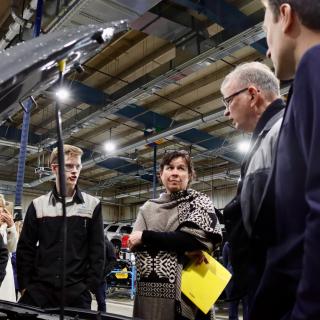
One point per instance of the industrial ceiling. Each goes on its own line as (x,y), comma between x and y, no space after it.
(153,89)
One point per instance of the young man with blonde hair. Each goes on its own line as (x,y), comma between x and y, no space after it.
(39,249)
(290,286)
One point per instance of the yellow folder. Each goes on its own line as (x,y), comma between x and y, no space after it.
(203,283)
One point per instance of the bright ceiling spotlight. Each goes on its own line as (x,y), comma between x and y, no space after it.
(109,146)
(243,146)
(63,94)
(108,32)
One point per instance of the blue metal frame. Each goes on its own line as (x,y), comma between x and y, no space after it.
(131,273)
(27,105)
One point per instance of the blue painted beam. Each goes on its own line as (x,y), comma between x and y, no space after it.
(225,14)
(145,117)
(85,94)
(207,141)
(120,165)
(200,138)
(150,119)
(219,11)
(261,46)
(14,134)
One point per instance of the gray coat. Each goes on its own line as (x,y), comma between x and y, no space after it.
(257,169)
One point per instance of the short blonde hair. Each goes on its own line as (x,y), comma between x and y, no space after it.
(6,205)
(2,200)
(68,150)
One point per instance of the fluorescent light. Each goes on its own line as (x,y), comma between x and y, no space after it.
(62,94)
(109,146)
(243,146)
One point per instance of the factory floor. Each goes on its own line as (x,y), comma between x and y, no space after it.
(121,304)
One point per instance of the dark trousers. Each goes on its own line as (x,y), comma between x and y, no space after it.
(100,294)
(234,307)
(51,299)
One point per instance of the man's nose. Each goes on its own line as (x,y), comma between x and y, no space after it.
(268,54)
(175,171)
(227,112)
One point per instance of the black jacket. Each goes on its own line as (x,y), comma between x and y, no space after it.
(111,258)
(291,281)
(40,244)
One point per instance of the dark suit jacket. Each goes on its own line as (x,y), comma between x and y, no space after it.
(290,287)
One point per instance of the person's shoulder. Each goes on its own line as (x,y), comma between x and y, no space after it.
(163,198)
(146,205)
(89,196)
(89,199)
(44,197)
(311,58)
(313,52)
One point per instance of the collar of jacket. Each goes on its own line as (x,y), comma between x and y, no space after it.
(275,107)
(55,197)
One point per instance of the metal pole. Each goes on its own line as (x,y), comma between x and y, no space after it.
(62,189)
(38,19)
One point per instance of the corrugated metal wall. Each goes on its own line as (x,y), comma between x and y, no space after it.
(223,196)
(129,212)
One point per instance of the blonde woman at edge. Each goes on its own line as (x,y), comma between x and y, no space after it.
(10,238)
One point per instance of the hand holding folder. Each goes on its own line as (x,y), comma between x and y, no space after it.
(203,283)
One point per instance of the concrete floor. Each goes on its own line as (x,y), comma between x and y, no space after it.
(120,303)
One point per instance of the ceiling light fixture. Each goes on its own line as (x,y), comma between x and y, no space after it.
(243,146)
(62,94)
(109,146)
(108,33)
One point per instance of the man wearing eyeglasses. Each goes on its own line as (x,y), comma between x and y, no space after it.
(39,251)
(252,99)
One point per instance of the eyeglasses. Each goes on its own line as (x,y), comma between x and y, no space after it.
(229,99)
(70,167)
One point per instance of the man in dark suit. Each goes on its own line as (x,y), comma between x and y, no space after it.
(290,287)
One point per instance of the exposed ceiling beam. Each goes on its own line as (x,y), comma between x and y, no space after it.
(91,113)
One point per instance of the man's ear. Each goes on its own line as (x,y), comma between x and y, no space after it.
(286,17)
(253,91)
(54,168)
